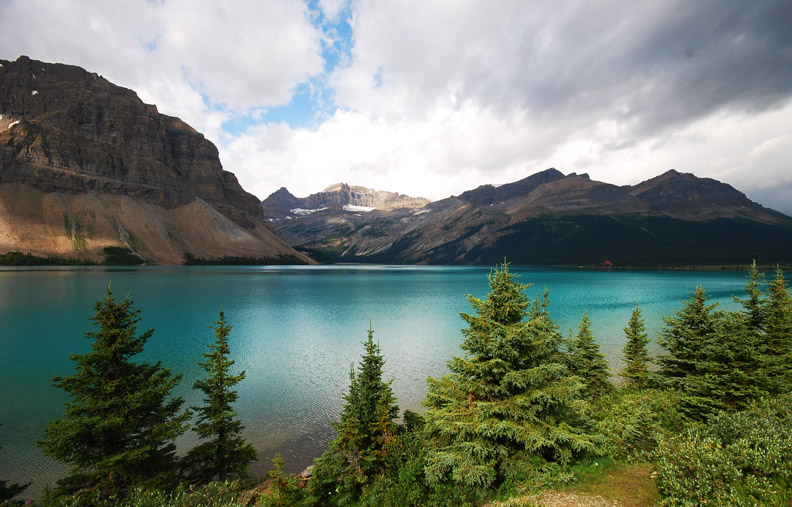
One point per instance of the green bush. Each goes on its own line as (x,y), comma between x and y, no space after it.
(742,458)
(633,422)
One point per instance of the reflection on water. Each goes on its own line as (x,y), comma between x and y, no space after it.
(295,332)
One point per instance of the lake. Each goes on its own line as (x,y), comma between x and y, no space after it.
(295,332)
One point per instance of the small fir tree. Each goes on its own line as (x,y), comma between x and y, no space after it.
(224,454)
(636,356)
(754,304)
(685,335)
(121,421)
(588,363)
(510,404)
(778,329)
(364,433)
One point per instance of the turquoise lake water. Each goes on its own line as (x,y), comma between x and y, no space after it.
(295,332)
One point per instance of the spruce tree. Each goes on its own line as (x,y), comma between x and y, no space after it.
(121,421)
(364,433)
(778,329)
(510,403)
(685,335)
(729,373)
(636,356)
(588,363)
(224,454)
(754,304)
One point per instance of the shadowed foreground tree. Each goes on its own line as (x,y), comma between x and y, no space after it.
(9,491)
(121,421)
(510,404)
(226,455)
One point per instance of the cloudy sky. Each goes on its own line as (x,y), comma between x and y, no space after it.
(432,98)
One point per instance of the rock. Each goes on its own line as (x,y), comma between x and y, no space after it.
(85,164)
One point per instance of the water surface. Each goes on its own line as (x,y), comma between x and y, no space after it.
(296,330)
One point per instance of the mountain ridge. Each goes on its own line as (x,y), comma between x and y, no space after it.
(85,164)
(550,218)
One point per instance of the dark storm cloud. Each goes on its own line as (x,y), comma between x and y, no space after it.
(654,67)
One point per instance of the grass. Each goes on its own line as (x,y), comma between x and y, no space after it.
(602,483)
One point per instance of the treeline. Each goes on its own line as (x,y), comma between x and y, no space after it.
(522,409)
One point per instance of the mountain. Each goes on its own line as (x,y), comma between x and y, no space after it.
(85,164)
(552,219)
(336,197)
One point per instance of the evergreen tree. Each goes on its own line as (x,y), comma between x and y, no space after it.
(9,491)
(685,336)
(510,400)
(636,356)
(364,433)
(754,304)
(588,363)
(730,372)
(121,421)
(225,454)
(778,329)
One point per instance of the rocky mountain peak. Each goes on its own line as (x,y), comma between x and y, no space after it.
(487,195)
(335,198)
(74,131)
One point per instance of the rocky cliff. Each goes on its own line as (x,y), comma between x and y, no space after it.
(86,164)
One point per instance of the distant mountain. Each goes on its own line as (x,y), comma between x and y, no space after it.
(552,219)
(336,197)
(85,164)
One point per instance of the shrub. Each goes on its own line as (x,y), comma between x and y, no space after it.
(742,458)
(634,422)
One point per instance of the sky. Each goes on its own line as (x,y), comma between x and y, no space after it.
(434,97)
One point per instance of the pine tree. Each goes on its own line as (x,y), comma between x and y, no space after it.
(509,400)
(730,372)
(754,305)
(588,363)
(685,336)
(778,329)
(121,421)
(364,433)
(636,356)
(225,454)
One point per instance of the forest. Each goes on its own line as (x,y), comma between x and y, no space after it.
(523,410)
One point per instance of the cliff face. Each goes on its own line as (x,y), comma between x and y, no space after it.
(72,138)
(75,132)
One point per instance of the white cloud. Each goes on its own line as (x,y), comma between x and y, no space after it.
(240,54)
(438,97)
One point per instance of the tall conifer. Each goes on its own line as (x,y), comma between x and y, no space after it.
(685,335)
(778,328)
(588,363)
(364,434)
(510,400)
(224,454)
(121,421)
(636,356)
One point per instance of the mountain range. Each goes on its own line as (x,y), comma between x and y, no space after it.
(86,165)
(547,218)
